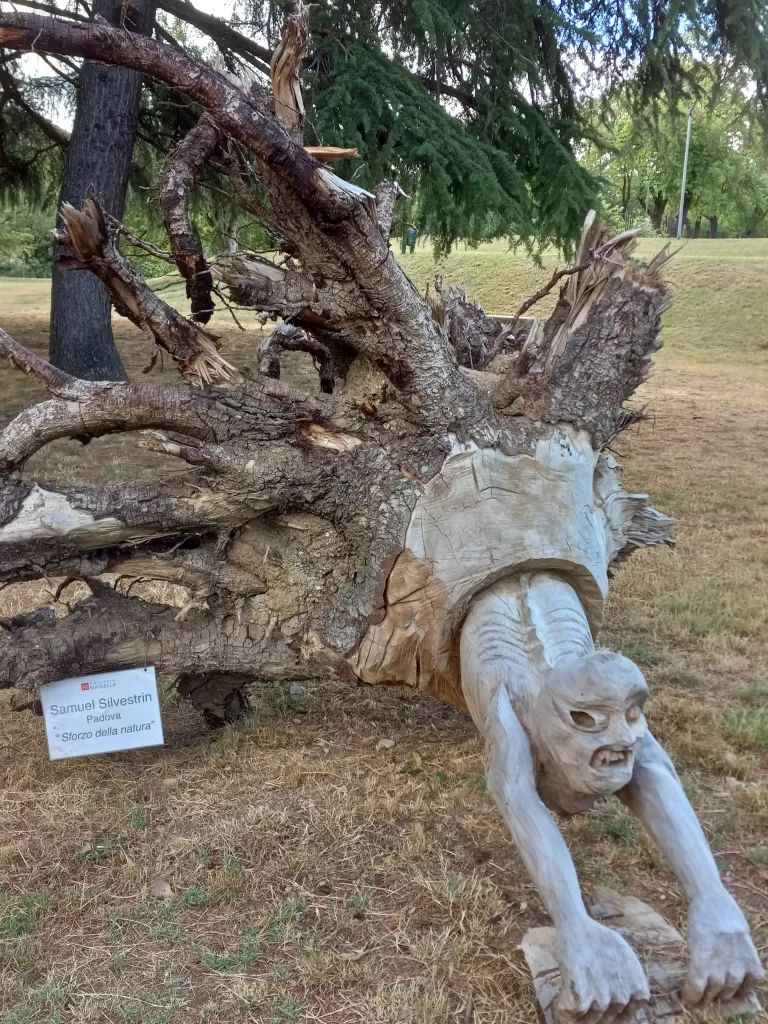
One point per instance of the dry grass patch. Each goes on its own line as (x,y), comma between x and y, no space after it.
(316,878)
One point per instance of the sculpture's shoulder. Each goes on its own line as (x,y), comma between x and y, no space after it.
(485,517)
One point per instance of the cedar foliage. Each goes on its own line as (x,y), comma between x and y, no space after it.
(472,106)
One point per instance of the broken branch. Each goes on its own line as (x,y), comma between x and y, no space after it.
(289,338)
(181,174)
(542,292)
(284,69)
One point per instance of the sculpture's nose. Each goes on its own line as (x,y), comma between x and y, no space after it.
(622,732)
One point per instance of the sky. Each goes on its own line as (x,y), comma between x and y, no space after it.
(221,8)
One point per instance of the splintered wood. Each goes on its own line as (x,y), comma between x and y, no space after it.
(661,950)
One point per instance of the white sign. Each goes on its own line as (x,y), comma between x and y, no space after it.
(98,714)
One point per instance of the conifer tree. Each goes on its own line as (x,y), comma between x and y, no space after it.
(473,107)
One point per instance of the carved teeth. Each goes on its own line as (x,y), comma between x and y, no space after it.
(604,757)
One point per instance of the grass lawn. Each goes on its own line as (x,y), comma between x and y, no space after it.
(317,878)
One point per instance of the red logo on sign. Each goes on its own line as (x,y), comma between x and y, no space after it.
(85,686)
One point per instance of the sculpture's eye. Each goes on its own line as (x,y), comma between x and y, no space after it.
(583,720)
(634,713)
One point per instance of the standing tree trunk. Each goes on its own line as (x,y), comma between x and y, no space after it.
(657,211)
(712,225)
(98,163)
(697,228)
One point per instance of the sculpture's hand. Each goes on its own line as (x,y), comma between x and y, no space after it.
(724,962)
(601,975)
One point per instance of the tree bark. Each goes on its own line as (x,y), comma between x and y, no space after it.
(712,225)
(98,162)
(179,179)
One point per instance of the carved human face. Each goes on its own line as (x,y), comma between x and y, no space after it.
(589,720)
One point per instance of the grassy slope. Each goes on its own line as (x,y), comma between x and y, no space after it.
(318,878)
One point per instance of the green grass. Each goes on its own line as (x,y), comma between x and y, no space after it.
(697,327)
(748,729)
(19,913)
(247,953)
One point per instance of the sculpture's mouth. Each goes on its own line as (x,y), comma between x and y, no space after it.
(611,757)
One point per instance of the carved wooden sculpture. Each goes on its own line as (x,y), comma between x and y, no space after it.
(420,522)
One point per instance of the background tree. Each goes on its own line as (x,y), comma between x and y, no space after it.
(638,155)
(98,161)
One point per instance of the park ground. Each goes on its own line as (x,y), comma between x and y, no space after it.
(317,877)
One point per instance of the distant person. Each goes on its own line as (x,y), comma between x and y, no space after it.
(409,239)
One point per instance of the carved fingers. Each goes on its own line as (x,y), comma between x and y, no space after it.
(617,1013)
(604,982)
(724,962)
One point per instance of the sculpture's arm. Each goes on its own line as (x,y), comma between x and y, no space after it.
(511,783)
(601,973)
(724,961)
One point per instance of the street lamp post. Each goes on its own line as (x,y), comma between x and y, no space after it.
(681,213)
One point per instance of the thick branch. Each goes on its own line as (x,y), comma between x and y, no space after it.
(109,631)
(181,174)
(193,562)
(106,410)
(93,247)
(286,291)
(41,526)
(258,411)
(233,109)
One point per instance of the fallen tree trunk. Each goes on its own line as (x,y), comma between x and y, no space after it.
(320,493)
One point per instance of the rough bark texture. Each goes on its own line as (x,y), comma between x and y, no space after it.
(288,530)
(477,338)
(98,162)
(292,339)
(182,172)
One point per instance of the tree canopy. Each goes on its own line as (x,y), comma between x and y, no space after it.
(638,156)
(474,107)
